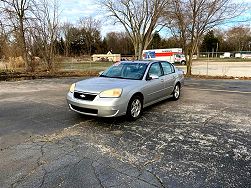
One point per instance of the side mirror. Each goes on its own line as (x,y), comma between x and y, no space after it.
(153,77)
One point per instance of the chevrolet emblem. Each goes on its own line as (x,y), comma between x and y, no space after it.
(82,96)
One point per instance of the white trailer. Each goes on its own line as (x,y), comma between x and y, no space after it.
(172,55)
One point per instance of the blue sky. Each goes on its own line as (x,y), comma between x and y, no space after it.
(72,10)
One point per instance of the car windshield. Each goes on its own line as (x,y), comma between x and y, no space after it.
(123,70)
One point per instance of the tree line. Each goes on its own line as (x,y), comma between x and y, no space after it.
(33,28)
(234,39)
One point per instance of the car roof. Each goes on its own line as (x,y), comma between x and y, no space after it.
(140,61)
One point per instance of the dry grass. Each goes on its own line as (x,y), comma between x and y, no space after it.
(13,63)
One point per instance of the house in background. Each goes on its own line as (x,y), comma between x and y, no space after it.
(106,57)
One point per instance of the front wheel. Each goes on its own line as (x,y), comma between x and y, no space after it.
(134,108)
(176,92)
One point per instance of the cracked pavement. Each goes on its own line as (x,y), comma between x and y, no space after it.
(202,140)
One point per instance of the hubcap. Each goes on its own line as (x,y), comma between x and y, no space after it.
(177,91)
(135,108)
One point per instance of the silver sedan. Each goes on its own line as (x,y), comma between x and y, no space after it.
(126,88)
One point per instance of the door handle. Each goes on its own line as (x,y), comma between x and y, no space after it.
(162,80)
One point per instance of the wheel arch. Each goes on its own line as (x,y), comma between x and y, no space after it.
(136,94)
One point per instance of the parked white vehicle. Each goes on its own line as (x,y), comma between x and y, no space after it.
(246,56)
(226,55)
(172,55)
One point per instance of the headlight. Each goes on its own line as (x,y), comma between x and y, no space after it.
(72,88)
(111,93)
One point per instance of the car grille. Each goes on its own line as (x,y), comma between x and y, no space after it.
(84,110)
(84,96)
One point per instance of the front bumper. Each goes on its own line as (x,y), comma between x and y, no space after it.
(101,107)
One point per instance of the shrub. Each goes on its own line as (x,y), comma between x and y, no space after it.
(15,63)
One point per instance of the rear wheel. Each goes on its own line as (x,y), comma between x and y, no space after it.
(183,62)
(134,108)
(176,92)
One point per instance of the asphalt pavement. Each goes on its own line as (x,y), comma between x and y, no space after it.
(201,140)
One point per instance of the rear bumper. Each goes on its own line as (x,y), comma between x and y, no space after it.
(100,107)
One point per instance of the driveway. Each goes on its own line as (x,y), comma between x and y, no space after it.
(202,140)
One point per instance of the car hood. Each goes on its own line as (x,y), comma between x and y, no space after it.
(96,85)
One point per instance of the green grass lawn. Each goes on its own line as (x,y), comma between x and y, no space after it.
(84,66)
(70,65)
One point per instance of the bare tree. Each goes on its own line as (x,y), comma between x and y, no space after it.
(139,18)
(2,39)
(239,38)
(46,26)
(16,12)
(190,19)
(91,31)
(65,29)
(119,42)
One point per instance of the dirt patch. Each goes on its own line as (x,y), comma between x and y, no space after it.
(7,76)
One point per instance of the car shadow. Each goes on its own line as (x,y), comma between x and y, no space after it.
(166,101)
(119,123)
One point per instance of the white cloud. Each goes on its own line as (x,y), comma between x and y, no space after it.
(72,10)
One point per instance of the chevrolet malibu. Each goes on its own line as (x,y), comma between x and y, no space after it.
(126,88)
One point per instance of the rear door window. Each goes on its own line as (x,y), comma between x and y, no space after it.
(167,68)
(155,69)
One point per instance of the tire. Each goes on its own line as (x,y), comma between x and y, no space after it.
(183,62)
(134,109)
(176,92)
